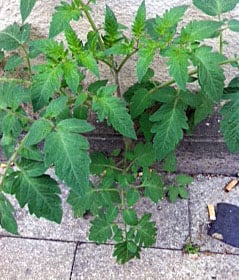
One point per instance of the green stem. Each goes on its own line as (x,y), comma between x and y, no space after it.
(12,160)
(20,81)
(126,59)
(92,23)
(28,61)
(220,38)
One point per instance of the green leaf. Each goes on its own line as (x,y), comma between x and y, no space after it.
(100,230)
(173,193)
(12,63)
(146,232)
(170,163)
(11,125)
(45,83)
(183,193)
(204,108)
(7,220)
(200,30)
(123,254)
(144,154)
(111,214)
(38,131)
(114,109)
(81,203)
(71,75)
(233,25)
(68,152)
(8,96)
(139,102)
(111,27)
(153,187)
(132,197)
(146,126)
(146,55)
(210,74)
(229,125)
(87,59)
(183,180)
(74,125)
(62,17)
(41,194)
(170,121)
(99,163)
(56,107)
(178,65)
(26,7)
(139,21)
(13,36)
(215,7)
(31,152)
(130,217)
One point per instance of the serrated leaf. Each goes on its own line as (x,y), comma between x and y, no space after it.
(26,7)
(12,63)
(74,125)
(229,125)
(146,232)
(114,110)
(132,196)
(11,125)
(170,121)
(56,107)
(139,21)
(8,96)
(144,154)
(146,55)
(170,163)
(153,187)
(146,126)
(111,214)
(99,163)
(178,65)
(123,254)
(62,17)
(89,201)
(130,217)
(200,30)
(45,83)
(31,152)
(100,230)
(183,180)
(68,152)
(210,74)
(203,109)
(71,75)
(140,101)
(7,220)
(233,25)
(41,194)
(13,36)
(215,7)
(173,193)
(183,193)
(87,59)
(38,131)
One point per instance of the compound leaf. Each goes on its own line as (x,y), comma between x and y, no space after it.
(233,25)
(100,230)
(123,253)
(130,217)
(140,101)
(153,187)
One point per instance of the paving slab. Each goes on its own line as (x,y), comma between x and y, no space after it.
(204,191)
(95,262)
(35,259)
(171,219)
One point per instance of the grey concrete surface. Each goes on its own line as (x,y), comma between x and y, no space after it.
(45,250)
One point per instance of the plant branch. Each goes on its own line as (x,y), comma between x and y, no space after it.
(20,81)
(28,61)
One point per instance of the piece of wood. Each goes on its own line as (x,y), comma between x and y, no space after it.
(231,185)
(211,212)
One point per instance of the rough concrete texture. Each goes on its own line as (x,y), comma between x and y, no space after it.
(90,263)
(67,254)
(23,259)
